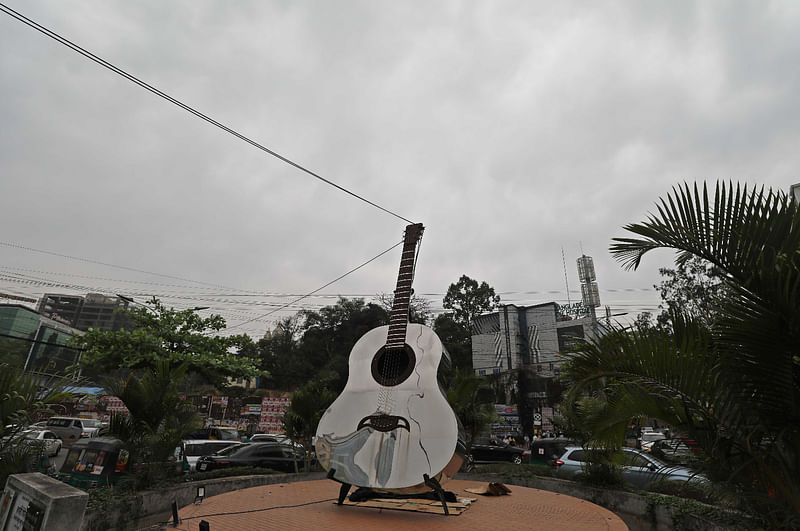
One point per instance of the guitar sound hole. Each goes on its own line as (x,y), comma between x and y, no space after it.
(393,366)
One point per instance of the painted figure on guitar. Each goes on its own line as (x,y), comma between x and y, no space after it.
(391,426)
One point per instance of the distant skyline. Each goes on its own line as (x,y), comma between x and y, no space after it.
(511,130)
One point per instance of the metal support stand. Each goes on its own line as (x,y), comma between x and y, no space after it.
(437,488)
(343,490)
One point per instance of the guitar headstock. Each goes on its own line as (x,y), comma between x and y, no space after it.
(413,234)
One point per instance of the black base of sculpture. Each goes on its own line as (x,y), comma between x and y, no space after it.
(366,493)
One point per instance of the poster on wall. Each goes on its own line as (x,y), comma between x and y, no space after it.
(508,422)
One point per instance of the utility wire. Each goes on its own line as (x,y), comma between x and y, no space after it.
(87,260)
(316,290)
(257,510)
(102,62)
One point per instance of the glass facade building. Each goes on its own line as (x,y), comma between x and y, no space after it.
(35,342)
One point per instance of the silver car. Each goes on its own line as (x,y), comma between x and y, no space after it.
(193,449)
(638,468)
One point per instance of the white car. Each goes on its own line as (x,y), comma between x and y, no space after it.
(638,468)
(46,439)
(649,437)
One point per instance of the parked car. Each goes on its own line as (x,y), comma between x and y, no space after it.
(70,429)
(276,437)
(673,451)
(191,450)
(547,451)
(268,437)
(648,438)
(256,454)
(216,433)
(493,451)
(46,440)
(638,468)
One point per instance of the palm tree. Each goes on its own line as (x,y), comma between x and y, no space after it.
(733,383)
(472,400)
(158,416)
(21,394)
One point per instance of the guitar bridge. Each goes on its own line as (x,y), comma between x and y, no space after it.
(384,422)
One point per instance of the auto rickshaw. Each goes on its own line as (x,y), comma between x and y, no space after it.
(95,462)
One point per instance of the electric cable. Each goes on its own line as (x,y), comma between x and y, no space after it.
(258,510)
(316,290)
(106,264)
(102,62)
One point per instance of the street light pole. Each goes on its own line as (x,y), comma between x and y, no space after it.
(130,300)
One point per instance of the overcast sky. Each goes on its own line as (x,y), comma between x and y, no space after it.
(511,130)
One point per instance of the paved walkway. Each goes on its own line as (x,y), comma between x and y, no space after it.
(312,505)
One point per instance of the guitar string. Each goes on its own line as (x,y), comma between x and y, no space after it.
(387,370)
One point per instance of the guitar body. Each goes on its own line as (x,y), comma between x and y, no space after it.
(386,435)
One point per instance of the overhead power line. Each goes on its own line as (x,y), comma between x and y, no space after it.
(102,62)
(106,264)
(316,290)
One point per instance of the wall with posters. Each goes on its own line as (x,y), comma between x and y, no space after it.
(509,423)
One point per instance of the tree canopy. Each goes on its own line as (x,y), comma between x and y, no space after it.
(303,414)
(317,344)
(176,336)
(467,299)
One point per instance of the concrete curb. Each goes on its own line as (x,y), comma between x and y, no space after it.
(639,513)
(159,502)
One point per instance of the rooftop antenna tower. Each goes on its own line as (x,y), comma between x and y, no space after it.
(566,281)
(590,293)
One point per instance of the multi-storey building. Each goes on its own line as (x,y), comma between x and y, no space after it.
(92,311)
(525,346)
(35,342)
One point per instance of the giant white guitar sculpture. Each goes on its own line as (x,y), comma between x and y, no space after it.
(391,426)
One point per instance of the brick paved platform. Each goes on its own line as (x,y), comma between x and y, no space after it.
(268,507)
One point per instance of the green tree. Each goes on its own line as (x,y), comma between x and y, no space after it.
(328,337)
(732,383)
(456,339)
(281,360)
(158,416)
(165,334)
(419,309)
(692,287)
(23,394)
(302,416)
(468,299)
(472,400)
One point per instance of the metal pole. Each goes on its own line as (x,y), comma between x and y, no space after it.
(33,345)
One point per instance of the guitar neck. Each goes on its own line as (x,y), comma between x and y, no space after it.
(398,322)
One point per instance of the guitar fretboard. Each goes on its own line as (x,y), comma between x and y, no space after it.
(398,321)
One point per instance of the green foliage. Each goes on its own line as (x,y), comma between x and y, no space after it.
(165,334)
(472,400)
(317,344)
(456,339)
(693,287)
(732,381)
(302,416)
(419,309)
(22,394)
(158,416)
(468,299)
